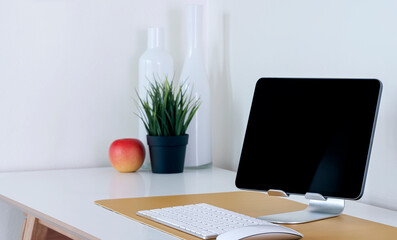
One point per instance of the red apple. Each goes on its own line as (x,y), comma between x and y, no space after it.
(127,155)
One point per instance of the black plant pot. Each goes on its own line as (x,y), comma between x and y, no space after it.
(167,154)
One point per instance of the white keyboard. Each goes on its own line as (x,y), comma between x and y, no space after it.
(202,220)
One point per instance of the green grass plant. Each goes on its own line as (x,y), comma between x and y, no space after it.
(167,109)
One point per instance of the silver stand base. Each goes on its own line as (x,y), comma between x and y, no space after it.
(316,210)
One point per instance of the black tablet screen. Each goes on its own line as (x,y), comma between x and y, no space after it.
(309,135)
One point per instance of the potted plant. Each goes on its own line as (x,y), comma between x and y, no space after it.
(166,112)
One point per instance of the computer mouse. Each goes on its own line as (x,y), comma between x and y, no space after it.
(260,232)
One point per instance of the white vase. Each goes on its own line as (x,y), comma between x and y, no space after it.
(198,152)
(154,64)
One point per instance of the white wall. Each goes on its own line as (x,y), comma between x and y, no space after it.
(68,73)
(309,38)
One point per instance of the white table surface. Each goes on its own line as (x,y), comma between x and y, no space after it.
(68,196)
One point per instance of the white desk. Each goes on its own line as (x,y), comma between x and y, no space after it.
(66,198)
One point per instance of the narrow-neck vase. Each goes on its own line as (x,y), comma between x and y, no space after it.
(198,152)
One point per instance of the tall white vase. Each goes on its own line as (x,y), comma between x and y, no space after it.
(154,64)
(198,152)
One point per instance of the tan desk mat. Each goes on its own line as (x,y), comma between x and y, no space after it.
(254,204)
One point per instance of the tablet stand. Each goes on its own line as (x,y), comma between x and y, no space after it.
(319,208)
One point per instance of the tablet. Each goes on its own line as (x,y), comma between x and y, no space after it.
(310,135)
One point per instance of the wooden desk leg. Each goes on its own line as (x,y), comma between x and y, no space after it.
(32,230)
(35,229)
